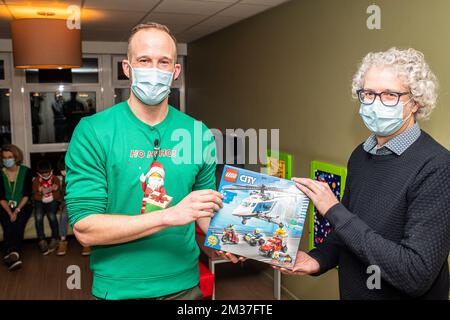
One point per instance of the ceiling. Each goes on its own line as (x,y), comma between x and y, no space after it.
(112,20)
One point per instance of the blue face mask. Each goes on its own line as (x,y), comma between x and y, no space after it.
(381,120)
(9,162)
(151,85)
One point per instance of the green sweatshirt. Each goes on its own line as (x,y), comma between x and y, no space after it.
(111,169)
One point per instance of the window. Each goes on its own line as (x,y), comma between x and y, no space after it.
(119,79)
(54,115)
(39,110)
(5,117)
(88,73)
(121,94)
(120,74)
(55,102)
(2,70)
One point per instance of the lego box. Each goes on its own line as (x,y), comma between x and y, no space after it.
(262,217)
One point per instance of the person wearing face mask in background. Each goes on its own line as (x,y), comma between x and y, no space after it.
(46,196)
(391,233)
(15,205)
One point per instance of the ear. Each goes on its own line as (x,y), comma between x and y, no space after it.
(177,71)
(126,68)
(414,107)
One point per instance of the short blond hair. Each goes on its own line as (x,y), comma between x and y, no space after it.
(151,25)
(15,150)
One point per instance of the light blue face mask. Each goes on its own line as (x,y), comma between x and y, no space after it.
(151,85)
(9,162)
(381,120)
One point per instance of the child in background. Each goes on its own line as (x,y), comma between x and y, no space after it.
(64,221)
(46,195)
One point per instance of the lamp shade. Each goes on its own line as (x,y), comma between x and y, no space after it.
(45,44)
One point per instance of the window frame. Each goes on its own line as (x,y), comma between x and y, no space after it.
(115,59)
(10,111)
(27,88)
(87,56)
(57,146)
(7,84)
(6,57)
(19,102)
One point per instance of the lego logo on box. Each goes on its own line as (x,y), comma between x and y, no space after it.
(230,175)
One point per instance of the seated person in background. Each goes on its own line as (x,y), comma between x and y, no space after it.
(15,207)
(46,196)
(64,220)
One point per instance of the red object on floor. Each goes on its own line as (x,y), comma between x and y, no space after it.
(206,281)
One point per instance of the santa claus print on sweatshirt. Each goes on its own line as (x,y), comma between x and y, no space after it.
(155,196)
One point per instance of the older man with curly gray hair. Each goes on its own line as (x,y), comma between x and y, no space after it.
(410,66)
(391,233)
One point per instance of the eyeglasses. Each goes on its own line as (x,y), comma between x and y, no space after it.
(387,98)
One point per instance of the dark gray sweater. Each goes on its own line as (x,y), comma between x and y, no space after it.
(395,214)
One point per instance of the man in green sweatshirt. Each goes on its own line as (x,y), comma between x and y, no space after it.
(139,176)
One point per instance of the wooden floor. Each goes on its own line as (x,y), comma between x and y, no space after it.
(246,281)
(44,277)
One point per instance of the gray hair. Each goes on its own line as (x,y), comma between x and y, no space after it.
(411,66)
